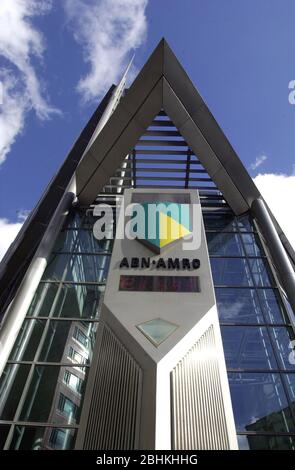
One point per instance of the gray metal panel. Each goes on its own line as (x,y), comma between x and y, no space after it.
(198,415)
(113,421)
(18,257)
(118,147)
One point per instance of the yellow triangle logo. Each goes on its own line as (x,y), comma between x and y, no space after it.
(170,230)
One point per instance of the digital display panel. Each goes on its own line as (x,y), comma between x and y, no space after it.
(159,283)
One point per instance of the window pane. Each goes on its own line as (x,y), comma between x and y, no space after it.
(224,244)
(247,347)
(266,442)
(238,306)
(60,337)
(271,305)
(77,268)
(290,385)
(284,340)
(70,300)
(43,399)
(34,438)
(28,340)
(259,403)
(245,224)
(252,244)
(82,241)
(4,430)
(261,273)
(230,272)
(220,222)
(12,384)
(43,300)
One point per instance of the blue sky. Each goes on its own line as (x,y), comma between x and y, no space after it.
(57,57)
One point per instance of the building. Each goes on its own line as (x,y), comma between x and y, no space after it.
(118,344)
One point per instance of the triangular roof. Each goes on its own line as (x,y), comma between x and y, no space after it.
(164,84)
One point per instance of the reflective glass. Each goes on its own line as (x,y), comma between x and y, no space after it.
(81,241)
(238,306)
(4,430)
(42,438)
(46,392)
(271,305)
(250,442)
(12,383)
(28,340)
(77,268)
(261,273)
(224,244)
(284,340)
(220,222)
(60,337)
(230,272)
(247,347)
(290,385)
(259,403)
(252,245)
(245,224)
(43,300)
(67,300)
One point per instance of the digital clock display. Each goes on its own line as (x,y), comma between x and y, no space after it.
(159,283)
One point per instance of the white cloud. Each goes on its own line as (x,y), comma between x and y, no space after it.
(278,191)
(22,90)
(8,232)
(107,30)
(259,160)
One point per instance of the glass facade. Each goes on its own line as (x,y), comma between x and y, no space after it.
(42,387)
(256,333)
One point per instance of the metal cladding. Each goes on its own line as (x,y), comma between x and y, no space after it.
(115,399)
(198,417)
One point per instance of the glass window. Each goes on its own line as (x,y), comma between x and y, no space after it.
(219,222)
(247,347)
(80,336)
(77,268)
(284,340)
(272,306)
(245,223)
(250,442)
(259,403)
(42,403)
(60,336)
(73,381)
(81,241)
(238,306)
(224,244)
(44,300)
(290,385)
(28,340)
(230,272)
(12,383)
(68,407)
(77,357)
(42,438)
(61,439)
(4,430)
(69,300)
(261,273)
(252,244)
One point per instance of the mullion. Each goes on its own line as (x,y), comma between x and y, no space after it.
(273,346)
